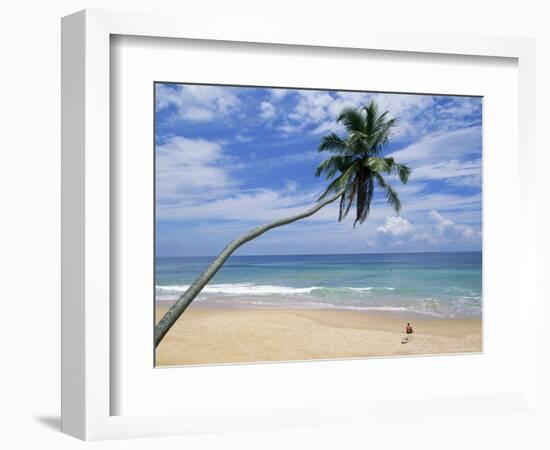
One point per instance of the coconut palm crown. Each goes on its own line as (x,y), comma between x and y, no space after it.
(357,164)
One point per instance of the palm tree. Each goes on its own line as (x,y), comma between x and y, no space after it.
(358,161)
(356,166)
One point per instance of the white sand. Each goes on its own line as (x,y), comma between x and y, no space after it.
(215,336)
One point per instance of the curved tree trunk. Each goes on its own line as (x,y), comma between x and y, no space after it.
(189,295)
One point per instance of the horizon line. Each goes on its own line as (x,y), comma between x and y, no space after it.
(325,254)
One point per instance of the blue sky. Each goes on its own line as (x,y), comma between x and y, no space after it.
(231,158)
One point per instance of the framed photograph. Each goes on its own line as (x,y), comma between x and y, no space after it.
(346,209)
(261,195)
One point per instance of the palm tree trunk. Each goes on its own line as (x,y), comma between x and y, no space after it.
(189,295)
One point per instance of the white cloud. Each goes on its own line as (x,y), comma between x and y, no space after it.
(320,109)
(442,224)
(395,226)
(187,169)
(468,173)
(459,108)
(431,230)
(420,115)
(291,185)
(287,129)
(445,231)
(222,219)
(452,145)
(267,111)
(312,106)
(258,205)
(197,103)
(406,108)
(305,236)
(278,94)
(417,115)
(451,156)
(440,201)
(196,180)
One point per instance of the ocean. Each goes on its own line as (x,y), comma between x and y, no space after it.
(437,285)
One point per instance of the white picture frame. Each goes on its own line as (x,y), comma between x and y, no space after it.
(87,321)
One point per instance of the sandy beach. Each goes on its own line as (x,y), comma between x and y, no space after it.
(226,335)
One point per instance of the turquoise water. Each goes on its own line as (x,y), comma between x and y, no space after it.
(435,284)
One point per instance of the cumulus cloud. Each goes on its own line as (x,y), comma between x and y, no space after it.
(197,103)
(312,106)
(442,223)
(431,230)
(395,226)
(445,231)
(187,169)
(267,111)
(418,115)
(278,94)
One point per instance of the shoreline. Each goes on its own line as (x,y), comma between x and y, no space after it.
(213,335)
(396,314)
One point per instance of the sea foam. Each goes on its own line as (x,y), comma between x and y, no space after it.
(254,289)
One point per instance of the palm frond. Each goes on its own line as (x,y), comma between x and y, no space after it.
(381,136)
(403,172)
(341,208)
(371,111)
(392,196)
(347,201)
(352,120)
(388,165)
(332,142)
(333,165)
(340,183)
(363,206)
(377,164)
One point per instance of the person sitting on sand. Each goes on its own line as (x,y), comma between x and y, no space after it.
(408,334)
